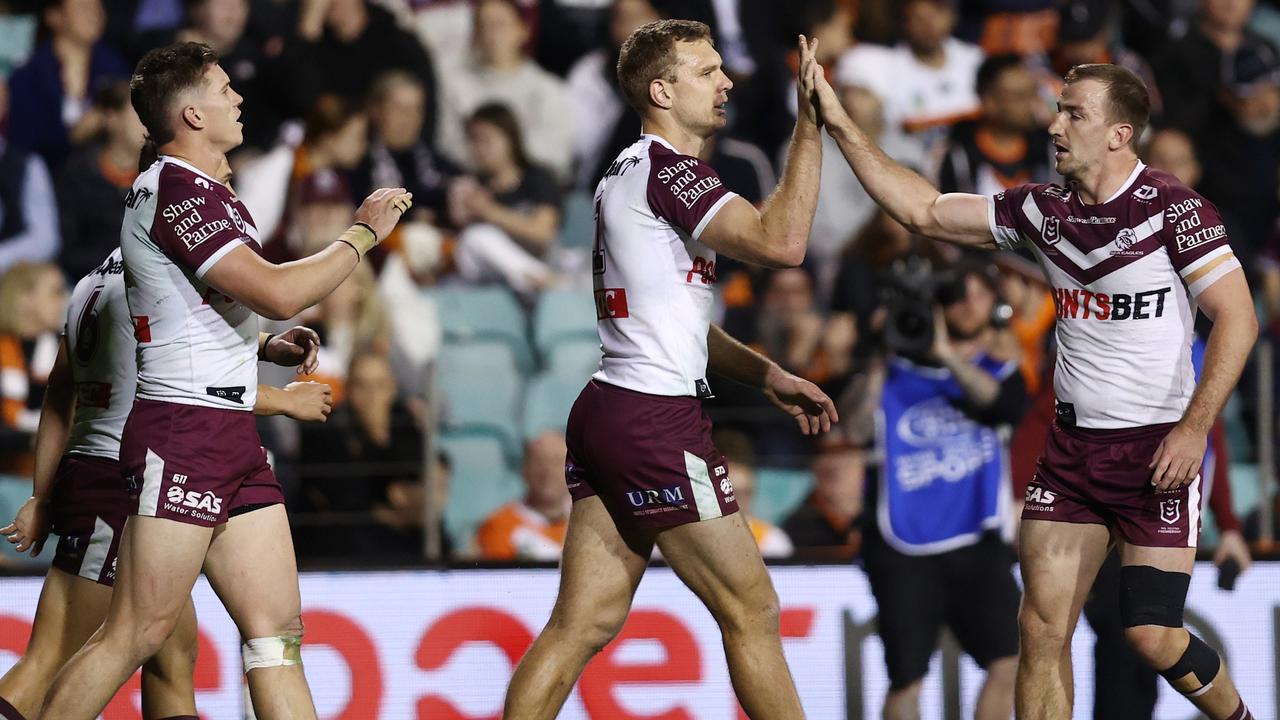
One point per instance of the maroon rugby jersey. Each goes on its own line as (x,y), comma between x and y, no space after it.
(1125,274)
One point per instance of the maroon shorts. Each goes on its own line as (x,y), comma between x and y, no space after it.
(1102,476)
(197,465)
(649,457)
(87,511)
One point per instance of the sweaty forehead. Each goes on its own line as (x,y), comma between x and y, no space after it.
(696,55)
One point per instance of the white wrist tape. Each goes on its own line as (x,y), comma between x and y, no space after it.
(272,652)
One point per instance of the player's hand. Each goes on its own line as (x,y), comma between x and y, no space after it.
(806,81)
(1177,461)
(1231,546)
(298,346)
(942,349)
(308,401)
(383,208)
(801,399)
(30,527)
(831,111)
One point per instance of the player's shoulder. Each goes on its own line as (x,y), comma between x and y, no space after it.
(175,178)
(1047,192)
(1162,187)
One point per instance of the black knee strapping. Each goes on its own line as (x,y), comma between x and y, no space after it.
(1152,597)
(1200,660)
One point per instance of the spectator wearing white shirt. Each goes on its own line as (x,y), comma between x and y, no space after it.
(500,71)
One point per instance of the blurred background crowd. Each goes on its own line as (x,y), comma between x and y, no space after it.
(456,353)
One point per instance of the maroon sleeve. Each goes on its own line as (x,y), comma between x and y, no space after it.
(1006,218)
(683,190)
(194,224)
(1193,227)
(1220,495)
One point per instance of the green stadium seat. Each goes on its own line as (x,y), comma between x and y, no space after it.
(480,482)
(548,402)
(482,390)
(780,491)
(563,315)
(578,221)
(469,314)
(574,361)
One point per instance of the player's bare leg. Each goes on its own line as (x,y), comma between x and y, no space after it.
(159,562)
(599,573)
(70,609)
(995,699)
(252,568)
(903,703)
(167,678)
(1059,562)
(719,562)
(1165,648)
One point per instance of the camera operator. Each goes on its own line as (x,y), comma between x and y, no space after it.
(935,548)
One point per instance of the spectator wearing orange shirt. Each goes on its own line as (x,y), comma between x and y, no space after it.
(532,528)
(33,305)
(741,459)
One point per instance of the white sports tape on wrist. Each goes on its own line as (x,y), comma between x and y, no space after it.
(272,652)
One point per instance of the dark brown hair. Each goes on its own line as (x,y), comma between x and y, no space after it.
(650,53)
(1126,92)
(501,117)
(160,77)
(327,116)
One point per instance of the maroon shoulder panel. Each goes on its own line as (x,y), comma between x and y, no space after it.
(682,189)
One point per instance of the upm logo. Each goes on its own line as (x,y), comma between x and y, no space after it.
(206,501)
(611,303)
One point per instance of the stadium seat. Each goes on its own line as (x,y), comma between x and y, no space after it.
(574,361)
(482,390)
(470,314)
(563,315)
(480,482)
(548,401)
(578,223)
(779,491)
(14,491)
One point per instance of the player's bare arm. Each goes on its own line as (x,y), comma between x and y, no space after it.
(305,401)
(1229,305)
(30,527)
(297,347)
(280,292)
(959,218)
(797,397)
(777,235)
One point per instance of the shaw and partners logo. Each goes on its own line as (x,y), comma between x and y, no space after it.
(662,496)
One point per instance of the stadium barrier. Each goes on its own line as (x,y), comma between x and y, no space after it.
(441,644)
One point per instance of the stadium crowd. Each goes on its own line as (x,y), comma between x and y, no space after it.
(474,326)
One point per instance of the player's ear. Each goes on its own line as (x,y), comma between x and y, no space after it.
(659,93)
(192,117)
(1121,133)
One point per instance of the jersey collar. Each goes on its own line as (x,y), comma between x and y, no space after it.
(183,163)
(1133,177)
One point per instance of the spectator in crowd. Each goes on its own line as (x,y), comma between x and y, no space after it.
(371,436)
(500,71)
(826,525)
(1240,146)
(926,82)
(510,211)
(339,47)
(399,154)
(1172,151)
(741,460)
(1021,27)
(28,208)
(1006,145)
(33,306)
(742,167)
(592,89)
(399,515)
(1033,314)
(533,527)
(936,547)
(52,94)
(1189,71)
(334,143)
(352,316)
(94,184)
(1085,36)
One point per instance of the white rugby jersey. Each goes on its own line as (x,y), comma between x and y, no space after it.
(99,336)
(195,345)
(1125,274)
(654,282)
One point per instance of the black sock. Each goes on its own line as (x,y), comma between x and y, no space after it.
(9,712)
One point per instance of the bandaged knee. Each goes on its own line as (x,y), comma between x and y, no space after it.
(1200,661)
(272,652)
(1152,597)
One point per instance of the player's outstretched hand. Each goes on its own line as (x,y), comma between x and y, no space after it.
(30,527)
(1177,461)
(806,79)
(383,208)
(296,347)
(801,399)
(1231,546)
(308,401)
